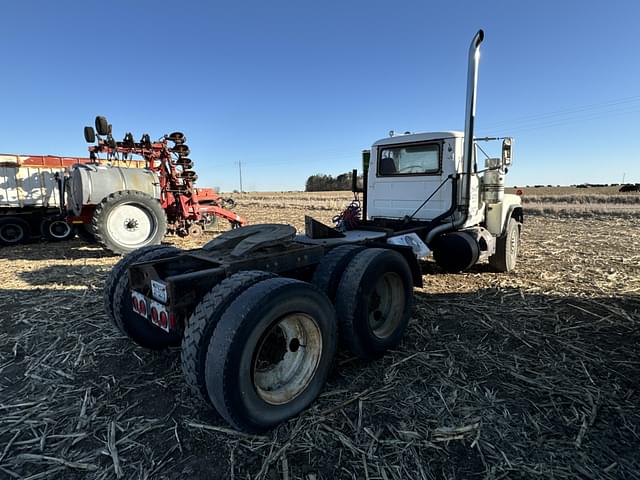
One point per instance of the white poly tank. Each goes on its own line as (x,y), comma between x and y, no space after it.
(90,184)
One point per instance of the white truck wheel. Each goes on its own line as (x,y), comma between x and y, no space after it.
(507,248)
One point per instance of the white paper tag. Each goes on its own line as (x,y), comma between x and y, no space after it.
(159,291)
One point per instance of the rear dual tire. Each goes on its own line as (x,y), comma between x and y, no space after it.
(203,321)
(270,353)
(133,325)
(373,302)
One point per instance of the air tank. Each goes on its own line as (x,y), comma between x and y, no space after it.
(90,184)
(493,182)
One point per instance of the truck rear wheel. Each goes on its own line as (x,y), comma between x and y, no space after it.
(151,252)
(507,248)
(203,321)
(329,272)
(136,327)
(127,220)
(56,229)
(13,230)
(270,353)
(373,302)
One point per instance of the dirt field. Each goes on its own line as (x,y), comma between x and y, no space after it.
(535,374)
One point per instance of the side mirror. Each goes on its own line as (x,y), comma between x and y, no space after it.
(89,134)
(506,152)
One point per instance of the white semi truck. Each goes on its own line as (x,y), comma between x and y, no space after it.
(259,310)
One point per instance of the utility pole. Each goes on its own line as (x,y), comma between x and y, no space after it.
(240,172)
(623,177)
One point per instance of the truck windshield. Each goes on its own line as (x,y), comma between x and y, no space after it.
(409,159)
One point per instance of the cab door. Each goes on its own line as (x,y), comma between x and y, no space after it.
(404,175)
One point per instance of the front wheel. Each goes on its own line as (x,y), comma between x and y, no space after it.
(270,353)
(507,248)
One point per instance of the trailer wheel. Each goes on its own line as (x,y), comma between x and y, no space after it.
(327,275)
(203,321)
(137,328)
(13,230)
(271,353)
(151,252)
(507,248)
(56,230)
(127,220)
(373,302)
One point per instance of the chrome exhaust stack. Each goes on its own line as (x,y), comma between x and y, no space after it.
(467,158)
(470,117)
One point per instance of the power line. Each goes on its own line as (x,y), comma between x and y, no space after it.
(565,111)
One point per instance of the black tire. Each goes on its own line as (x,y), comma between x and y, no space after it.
(507,248)
(120,269)
(102,126)
(329,272)
(13,231)
(124,238)
(374,301)
(89,134)
(85,233)
(137,328)
(203,321)
(246,339)
(56,229)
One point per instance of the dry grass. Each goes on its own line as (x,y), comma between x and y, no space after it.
(528,375)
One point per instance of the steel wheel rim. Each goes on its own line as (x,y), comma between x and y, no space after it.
(131,224)
(11,233)
(59,229)
(386,305)
(286,359)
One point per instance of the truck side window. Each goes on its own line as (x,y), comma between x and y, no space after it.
(409,159)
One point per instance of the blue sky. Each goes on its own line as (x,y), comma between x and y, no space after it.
(295,88)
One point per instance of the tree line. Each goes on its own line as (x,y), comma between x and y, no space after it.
(327,183)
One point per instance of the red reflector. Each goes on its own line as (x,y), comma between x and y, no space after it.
(142,307)
(154,314)
(172,321)
(134,302)
(163,319)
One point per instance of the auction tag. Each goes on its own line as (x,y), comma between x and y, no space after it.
(159,291)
